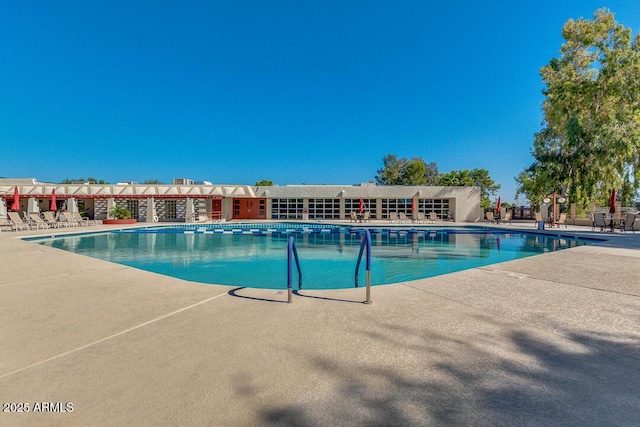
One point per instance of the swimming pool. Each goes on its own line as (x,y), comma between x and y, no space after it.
(254,255)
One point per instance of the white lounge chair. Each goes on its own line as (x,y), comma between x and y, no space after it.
(17,222)
(51,220)
(83,221)
(69,219)
(433,217)
(38,222)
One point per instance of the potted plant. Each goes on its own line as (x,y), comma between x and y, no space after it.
(119,215)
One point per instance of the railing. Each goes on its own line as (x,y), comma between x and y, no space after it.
(292,252)
(366,243)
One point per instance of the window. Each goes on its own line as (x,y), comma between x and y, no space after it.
(132,205)
(353,205)
(395,205)
(170,209)
(439,206)
(286,208)
(324,208)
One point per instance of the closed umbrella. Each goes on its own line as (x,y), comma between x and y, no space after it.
(612,202)
(361,205)
(53,206)
(498,206)
(16,200)
(413,205)
(612,206)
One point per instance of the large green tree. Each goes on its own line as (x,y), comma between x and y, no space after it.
(473,178)
(400,171)
(590,140)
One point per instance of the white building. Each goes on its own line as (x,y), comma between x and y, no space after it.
(191,202)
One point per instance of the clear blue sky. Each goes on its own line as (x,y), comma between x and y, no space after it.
(294,91)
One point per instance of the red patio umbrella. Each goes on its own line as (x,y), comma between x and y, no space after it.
(612,201)
(413,205)
(498,205)
(361,205)
(53,206)
(16,200)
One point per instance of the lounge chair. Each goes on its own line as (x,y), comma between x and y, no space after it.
(628,223)
(51,220)
(433,217)
(402,217)
(507,217)
(538,217)
(599,221)
(354,216)
(489,217)
(419,217)
(81,220)
(17,223)
(4,223)
(367,217)
(38,222)
(68,218)
(393,217)
(562,220)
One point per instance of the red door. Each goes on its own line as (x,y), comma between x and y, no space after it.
(216,209)
(249,208)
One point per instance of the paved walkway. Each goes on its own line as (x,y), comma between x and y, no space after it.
(547,340)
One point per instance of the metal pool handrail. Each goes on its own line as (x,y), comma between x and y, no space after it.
(292,252)
(366,242)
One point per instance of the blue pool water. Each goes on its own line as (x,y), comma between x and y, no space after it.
(255,255)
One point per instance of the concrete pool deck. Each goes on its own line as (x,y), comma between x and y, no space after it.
(547,340)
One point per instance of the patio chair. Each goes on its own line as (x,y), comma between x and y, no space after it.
(433,217)
(507,217)
(4,223)
(628,223)
(599,221)
(367,216)
(17,223)
(538,217)
(82,220)
(35,219)
(562,220)
(402,217)
(68,218)
(393,217)
(489,217)
(354,217)
(51,220)
(420,217)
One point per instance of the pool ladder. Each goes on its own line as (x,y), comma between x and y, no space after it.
(365,244)
(292,253)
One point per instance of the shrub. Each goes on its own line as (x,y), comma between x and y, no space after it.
(118,212)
